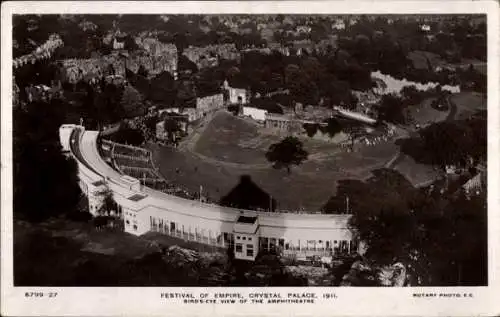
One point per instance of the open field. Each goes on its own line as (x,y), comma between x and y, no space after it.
(221,156)
(468,103)
(424,114)
(219,142)
(417,174)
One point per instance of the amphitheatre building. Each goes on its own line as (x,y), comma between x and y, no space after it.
(145,209)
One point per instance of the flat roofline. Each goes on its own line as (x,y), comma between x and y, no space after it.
(137,197)
(247,232)
(129,178)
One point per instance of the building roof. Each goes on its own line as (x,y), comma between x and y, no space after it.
(137,197)
(246,219)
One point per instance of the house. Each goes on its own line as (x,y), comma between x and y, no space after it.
(255,113)
(303,29)
(236,95)
(338,25)
(119,43)
(476,184)
(425,27)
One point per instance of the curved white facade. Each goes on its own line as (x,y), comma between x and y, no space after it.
(145,210)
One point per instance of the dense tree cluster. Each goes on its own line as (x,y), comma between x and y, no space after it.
(391,109)
(286,153)
(127,135)
(379,45)
(459,143)
(331,126)
(163,91)
(45,181)
(418,227)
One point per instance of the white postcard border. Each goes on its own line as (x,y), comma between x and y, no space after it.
(107,301)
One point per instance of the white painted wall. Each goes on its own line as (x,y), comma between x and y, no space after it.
(255,113)
(244,240)
(65,135)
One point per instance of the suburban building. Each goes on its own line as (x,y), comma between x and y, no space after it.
(210,103)
(236,95)
(119,43)
(425,27)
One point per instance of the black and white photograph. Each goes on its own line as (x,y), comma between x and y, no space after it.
(249,150)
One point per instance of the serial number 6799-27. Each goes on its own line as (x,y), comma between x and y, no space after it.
(40,294)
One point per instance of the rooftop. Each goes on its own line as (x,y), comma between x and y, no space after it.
(246,219)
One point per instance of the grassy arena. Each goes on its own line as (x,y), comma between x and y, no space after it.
(230,147)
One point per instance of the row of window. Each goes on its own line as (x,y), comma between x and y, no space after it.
(239,249)
(225,238)
(203,235)
(128,224)
(243,238)
(309,245)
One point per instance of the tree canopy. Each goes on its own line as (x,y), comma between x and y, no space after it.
(449,142)
(171,126)
(45,181)
(391,109)
(400,223)
(286,153)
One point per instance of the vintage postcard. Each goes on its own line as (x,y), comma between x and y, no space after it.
(250,158)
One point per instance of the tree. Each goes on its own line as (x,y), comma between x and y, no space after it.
(108,203)
(132,102)
(130,44)
(186,96)
(161,89)
(449,143)
(171,126)
(142,71)
(333,127)
(288,152)
(45,181)
(400,223)
(311,129)
(127,135)
(391,108)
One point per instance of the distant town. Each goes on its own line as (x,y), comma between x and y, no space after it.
(250,150)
